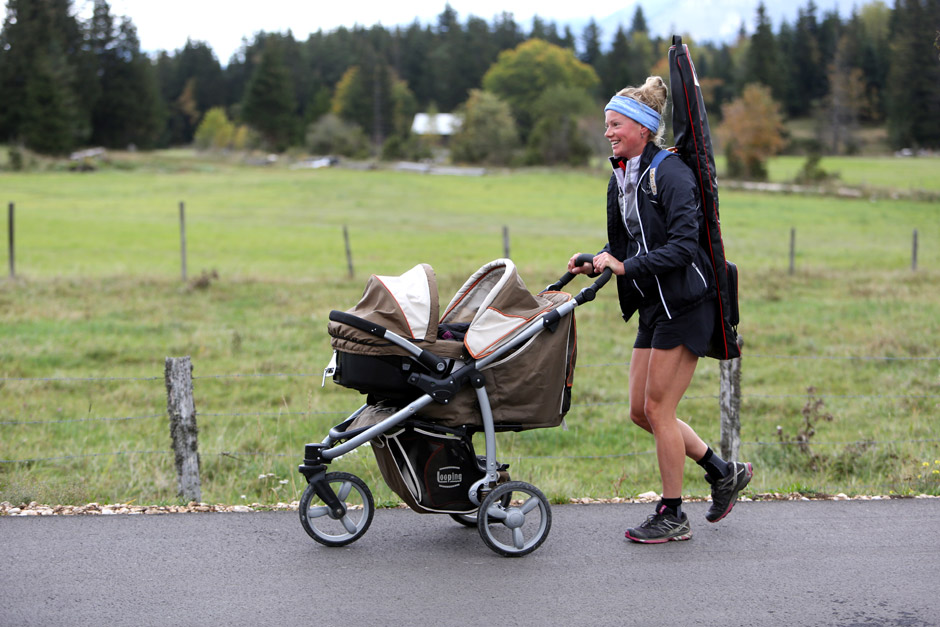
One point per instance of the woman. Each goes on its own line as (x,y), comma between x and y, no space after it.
(653,223)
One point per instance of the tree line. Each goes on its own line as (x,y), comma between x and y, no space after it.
(66,82)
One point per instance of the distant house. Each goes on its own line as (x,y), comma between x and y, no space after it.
(440,125)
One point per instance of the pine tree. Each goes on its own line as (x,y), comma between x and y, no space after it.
(445,62)
(642,57)
(269,106)
(191,82)
(763,63)
(870,29)
(638,25)
(591,40)
(506,32)
(416,43)
(913,96)
(46,127)
(127,110)
(615,71)
(40,59)
(809,68)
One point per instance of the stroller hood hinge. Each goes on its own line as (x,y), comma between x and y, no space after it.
(441,390)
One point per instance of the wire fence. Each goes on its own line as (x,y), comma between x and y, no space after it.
(10,420)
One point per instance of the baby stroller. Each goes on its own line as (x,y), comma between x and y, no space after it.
(498,359)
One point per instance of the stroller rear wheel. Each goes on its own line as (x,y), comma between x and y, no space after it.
(514,519)
(358,508)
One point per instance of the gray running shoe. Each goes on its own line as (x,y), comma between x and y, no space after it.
(725,490)
(661,527)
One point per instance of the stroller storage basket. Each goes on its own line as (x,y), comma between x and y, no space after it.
(430,470)
(429,466)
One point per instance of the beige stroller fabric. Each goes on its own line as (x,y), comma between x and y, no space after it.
(528,388)
(405,304)
(496,303)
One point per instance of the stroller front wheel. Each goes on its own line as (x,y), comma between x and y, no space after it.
(514,519)
(323,525)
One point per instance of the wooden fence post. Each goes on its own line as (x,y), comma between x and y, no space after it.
(506,242)
(183,238)
(10,240)
(349,261)
(178,376)
(792,250)
(729,399)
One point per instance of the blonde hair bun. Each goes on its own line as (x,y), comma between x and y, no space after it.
(654,94)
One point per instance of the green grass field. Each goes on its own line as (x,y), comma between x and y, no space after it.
(98,303)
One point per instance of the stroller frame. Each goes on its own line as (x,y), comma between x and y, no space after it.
(493,498)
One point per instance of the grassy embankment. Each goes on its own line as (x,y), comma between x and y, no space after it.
(98,304)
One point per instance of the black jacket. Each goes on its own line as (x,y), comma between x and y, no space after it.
(666,271)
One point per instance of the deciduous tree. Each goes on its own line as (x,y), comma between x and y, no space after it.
(567,119)
(751,132)
(521,75)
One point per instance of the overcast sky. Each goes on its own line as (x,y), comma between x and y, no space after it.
(166,24)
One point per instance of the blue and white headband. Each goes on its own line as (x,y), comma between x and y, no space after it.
(636,111)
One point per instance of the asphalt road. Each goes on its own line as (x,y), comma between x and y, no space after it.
(862,563)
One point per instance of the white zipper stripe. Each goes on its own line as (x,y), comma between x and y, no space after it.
(639,218)
(701,276)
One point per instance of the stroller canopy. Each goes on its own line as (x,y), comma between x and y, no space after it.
(405,304)
(496,304)
(493,305)
(528,388)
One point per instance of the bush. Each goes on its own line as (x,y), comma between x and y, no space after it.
(215,131)
(487,133)
(330,135)
(16,158)
(812,172)
(411,148)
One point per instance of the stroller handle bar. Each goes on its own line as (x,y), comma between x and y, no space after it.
(427,359)
(589,292)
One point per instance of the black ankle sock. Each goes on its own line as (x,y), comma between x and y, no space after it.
(715,467)
(673,506)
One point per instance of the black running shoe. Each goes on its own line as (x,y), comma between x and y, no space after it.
(725,490)
(661,527)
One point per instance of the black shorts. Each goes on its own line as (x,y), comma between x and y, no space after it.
(693,329)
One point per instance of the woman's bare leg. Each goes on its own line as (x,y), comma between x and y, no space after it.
(658,379)
(695,447)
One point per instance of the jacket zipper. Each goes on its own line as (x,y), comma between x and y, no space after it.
(700,275)
(639,219)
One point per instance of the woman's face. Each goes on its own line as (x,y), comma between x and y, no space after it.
(627,138)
